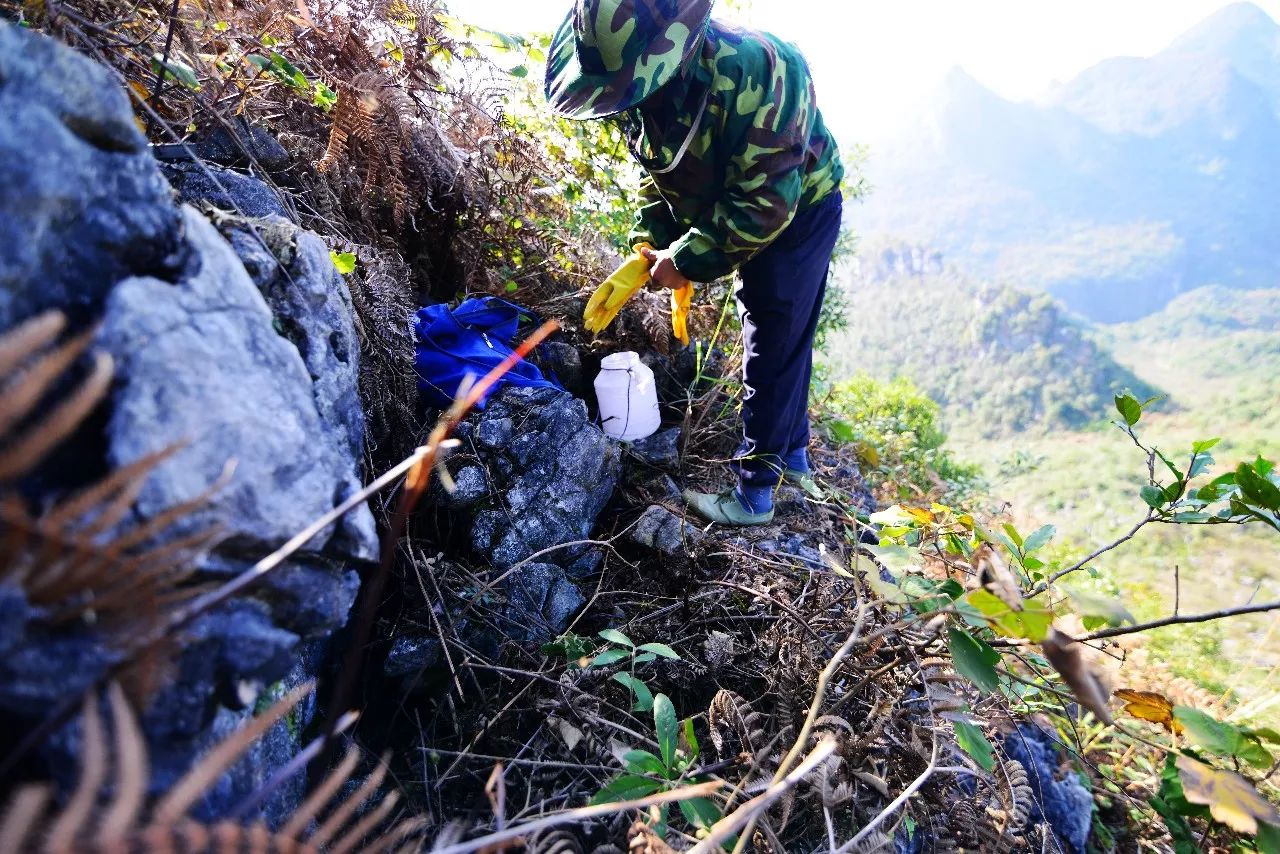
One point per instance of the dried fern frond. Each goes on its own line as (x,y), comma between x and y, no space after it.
(122,769)
(79,560)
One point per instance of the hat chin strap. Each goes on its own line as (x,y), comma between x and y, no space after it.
(688,140)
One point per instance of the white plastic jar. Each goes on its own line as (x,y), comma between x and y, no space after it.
(628,398)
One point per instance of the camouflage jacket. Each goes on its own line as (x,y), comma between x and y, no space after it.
(759,153)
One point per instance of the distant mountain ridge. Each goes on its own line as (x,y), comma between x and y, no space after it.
(999,360)
(1136,181)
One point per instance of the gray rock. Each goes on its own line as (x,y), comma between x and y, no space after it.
(540,602)
(311,598)
(494,433)
(203,360)
(660,529)
(45,668)
(471,485)
(1057,798)
(557,470)
(311,305)
(201,363)
(82,202)
(206,185)
(563,362)
(662,449)
(411,655)
(278,746)
(243,145)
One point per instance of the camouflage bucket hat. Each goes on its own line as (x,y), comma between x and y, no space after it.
(609,55)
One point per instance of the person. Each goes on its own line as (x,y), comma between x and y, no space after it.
(740,173)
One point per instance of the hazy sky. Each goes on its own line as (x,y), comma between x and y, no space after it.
(875,60)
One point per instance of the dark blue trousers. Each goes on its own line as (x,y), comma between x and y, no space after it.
(779,299)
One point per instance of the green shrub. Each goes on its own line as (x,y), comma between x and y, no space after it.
(893,428)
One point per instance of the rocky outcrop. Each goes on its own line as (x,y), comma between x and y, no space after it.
(238,348)
(550,473)
(82,202)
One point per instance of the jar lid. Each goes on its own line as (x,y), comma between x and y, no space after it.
(620,361)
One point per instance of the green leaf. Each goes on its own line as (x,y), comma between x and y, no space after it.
(1173,795)
(1031,622)
(1268,838)
(511,287)
(645,658)
(1199,465)
(609,656)
(1129,408)
(615,636)
(177,71)
(1183,837)
(974,659)
(520,71)
(1177,473)
(842,432)
(660,649)
(1039,539)
(628,787)
(665,725)
(700,812)
(1204,445)
(1222,738)
(1206,731)
(643,762)
(1257,488)
(1153,496)
(639,690)
(899,560)
(1111,611)
(1014,535)
(691,739)
(973,742)
(344,261)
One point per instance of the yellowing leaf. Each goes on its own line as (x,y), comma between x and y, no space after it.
(924,517)
(344,261)
(1149,706)
(1231,799)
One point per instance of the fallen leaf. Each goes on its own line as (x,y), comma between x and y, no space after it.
(1064,654)
(1231,799)
(1149,706)
(570,733)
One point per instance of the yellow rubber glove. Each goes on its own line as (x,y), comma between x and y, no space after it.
(611,296)
(681,300)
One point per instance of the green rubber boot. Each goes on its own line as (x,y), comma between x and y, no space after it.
(725,509)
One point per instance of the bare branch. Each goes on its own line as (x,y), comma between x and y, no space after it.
(1179,620)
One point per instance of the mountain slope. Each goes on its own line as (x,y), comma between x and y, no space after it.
(1136,181)
(998,359)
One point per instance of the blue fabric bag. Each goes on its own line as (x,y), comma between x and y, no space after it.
(470,340)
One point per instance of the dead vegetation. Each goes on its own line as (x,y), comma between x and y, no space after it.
(826,716)
(108,812)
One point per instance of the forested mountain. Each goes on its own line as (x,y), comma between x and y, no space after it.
(999,359)
(1140,179)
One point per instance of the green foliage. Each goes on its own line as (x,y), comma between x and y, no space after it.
(646,773)
(894,431)
(973,742)
(974,659)
(345,262)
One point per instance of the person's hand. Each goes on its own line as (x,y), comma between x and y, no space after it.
(663,274)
